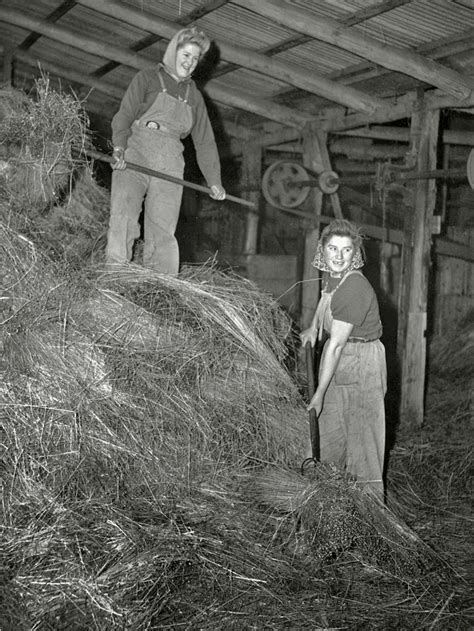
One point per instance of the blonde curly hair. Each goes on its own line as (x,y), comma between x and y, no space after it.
(340,228)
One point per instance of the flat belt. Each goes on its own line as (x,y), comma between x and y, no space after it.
(363,340)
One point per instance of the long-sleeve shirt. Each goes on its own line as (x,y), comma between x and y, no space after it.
(140,95)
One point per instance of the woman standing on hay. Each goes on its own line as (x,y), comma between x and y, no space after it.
(349,398)
(161,106)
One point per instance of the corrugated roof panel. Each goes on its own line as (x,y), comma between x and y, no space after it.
(320,56)
(419,22)
(258,85)
(236,25)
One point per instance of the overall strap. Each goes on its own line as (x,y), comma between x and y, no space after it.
(188,87)
(163,88)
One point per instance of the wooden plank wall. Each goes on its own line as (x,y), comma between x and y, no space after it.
(453,291)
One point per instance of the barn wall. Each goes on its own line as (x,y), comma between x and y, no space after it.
(453,286)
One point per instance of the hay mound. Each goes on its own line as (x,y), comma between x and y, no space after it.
(39,136)
(136,408)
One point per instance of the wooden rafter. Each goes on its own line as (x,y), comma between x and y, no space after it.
(54,16)
(149,40)
(437,49)
(392,57)
(288,73)
(242,100)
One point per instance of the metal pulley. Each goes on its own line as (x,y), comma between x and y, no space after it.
(281,184)
(287,184)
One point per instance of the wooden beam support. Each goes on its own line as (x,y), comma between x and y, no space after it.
(149,40)
(415,276)
(251,171)
(398,134)
(267,109)
(286,72)
(331,31)
(335,119)
(107,87)
(444,47)
(310,285)
(7,69)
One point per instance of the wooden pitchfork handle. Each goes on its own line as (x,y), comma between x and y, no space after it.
(313,418)
(165,176)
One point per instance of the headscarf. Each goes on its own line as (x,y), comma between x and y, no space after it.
(182,37)
(340,228)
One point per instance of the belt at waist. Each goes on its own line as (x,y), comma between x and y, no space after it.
(362,339)
(155,126)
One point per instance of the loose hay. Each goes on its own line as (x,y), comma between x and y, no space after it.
(40,137)
(331,516)
(136,406)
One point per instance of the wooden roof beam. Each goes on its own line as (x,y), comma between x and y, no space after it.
(285,72)
(278,113)
(149,40)
(55,15)
(438,49)
(401,107)
(392,57)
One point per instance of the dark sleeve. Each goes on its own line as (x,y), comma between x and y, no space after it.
(129,108)
(352,300)
(204,142)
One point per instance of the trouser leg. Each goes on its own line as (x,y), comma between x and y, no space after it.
(126,198)
(162,206)
(332,431)
(365,420)
(352,422)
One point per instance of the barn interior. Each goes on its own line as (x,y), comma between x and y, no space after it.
(356,109)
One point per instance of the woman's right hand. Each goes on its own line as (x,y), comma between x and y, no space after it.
(119,156)
(308,335)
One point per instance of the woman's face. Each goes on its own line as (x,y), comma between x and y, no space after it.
(338,253)
(187,58)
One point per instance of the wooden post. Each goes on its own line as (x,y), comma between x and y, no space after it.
(316,158)
(311,284)
(416,268)
(251,172)
(7,78)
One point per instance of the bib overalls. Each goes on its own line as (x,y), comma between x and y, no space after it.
(352,420)
(155,142)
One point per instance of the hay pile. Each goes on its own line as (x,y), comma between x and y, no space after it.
(39,136)
(147,420)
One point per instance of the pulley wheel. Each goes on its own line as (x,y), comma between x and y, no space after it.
(470,169)
(328,182)
(279,184)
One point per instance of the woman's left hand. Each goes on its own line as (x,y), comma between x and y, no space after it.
(316,403)
(217,192)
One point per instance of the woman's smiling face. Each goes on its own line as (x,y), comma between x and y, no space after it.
(339,253)
(187,58)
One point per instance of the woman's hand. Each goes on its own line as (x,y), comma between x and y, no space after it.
(308,335)
(119,157)
(217,192)
(316,403)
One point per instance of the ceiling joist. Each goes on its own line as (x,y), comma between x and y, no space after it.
(285,72)
(392,57)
